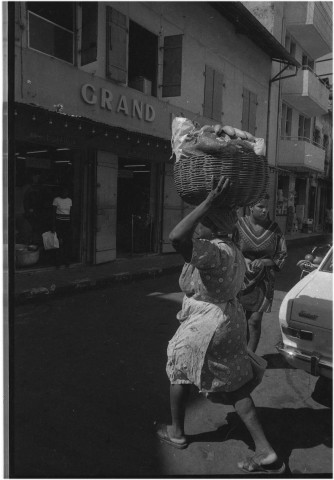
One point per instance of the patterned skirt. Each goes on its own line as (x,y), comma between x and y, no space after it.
(209,349)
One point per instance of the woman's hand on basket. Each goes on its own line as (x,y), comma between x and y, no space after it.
(219,193)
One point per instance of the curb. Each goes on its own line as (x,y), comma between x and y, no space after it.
(83,284)
(46,293)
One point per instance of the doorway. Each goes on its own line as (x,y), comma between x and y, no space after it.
(136,207)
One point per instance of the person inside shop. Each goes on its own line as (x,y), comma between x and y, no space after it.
(27,211)
(62,225)
(264,248)
(209,348)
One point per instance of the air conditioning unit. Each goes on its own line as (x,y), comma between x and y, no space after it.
(142,84)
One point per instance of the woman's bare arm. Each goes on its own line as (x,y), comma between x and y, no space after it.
(181,235)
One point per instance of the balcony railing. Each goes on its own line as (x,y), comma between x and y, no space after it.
(307,92)
(301,153)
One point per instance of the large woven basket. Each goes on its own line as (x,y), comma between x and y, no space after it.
(248,173)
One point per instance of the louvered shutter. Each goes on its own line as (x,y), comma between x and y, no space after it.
(217,96)
(172,66)
(245,110)
(252,113)
(116,48)
(208,91)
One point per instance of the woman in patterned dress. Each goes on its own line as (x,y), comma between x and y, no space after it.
(263,246)
(209,348)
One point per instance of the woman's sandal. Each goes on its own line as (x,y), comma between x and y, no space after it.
(162,434)
(250,465)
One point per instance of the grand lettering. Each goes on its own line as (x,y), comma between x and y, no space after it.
(120,105)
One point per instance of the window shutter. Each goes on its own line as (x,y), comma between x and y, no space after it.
(245,110)
(172,66)
(249,111)
(217,96)
(252,113)
(116,47)
(208,91)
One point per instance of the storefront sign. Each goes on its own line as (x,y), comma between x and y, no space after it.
(122,105)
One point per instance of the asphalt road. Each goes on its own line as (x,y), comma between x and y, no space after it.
(89,380)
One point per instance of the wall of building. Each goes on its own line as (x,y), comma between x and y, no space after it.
(214,41)
(208,39)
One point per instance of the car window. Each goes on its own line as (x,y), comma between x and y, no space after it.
(328,265)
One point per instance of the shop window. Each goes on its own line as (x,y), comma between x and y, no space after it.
(213,94)
(172,66)
(304,128)
(89,32)
(249,111)
(41,172)
(143,59)
(51,29)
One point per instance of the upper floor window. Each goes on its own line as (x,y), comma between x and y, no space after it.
(132,56)
(51,29)
(213,94)
(286,121)
(143,59)
(307,62)
(316,135)
(88,32)
(249,111)
(304,128)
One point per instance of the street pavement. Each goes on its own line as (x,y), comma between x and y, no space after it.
(89,381)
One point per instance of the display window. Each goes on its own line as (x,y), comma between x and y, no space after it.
(43,174)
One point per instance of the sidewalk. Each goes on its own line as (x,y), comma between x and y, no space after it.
(39,284)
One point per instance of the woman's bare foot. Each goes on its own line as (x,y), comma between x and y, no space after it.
(165,434)
(265,458)
(263,463)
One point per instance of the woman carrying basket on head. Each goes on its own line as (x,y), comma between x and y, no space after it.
(209,348)
(263,246)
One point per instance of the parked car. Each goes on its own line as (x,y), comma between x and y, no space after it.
(306,320)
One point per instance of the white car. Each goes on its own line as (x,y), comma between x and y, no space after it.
(306,320)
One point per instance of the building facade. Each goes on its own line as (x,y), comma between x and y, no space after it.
(303,97)
(97,85)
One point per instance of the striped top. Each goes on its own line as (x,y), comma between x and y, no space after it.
(264,243)
(267,242)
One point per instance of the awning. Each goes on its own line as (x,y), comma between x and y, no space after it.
(247,24)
